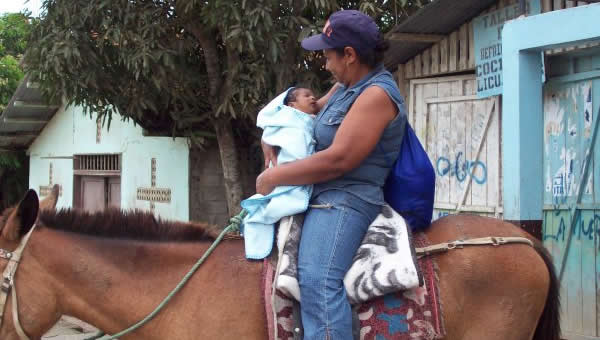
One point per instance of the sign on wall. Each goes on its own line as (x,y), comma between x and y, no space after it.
(487,31)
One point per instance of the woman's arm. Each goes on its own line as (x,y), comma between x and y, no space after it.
(355,139)
(323,100)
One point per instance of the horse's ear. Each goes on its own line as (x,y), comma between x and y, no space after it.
(22,218)
(49,203)
(56,190)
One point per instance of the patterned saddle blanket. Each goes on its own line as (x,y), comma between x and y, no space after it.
(414,314)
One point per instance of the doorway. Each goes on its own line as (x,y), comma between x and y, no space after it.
(97,182)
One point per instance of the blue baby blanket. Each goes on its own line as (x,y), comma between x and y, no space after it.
(292,131)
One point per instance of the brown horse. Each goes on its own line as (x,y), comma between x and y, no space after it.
(111,269)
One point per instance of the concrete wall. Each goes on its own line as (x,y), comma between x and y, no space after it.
(207,189)
(71,132)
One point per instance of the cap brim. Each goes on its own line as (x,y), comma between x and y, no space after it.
(315,43)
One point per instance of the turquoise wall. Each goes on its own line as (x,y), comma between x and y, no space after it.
(523,41)
(70,132)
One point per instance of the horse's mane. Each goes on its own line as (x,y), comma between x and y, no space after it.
(133,224)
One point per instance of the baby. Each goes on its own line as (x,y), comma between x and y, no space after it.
(301,99)
(287,122)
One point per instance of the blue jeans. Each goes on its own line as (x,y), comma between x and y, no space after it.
(330,238)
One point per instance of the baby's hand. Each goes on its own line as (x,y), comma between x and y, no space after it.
(270,153)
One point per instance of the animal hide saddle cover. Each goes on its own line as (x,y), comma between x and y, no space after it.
(384,263)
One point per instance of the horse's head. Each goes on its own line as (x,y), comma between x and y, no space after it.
(17,222)
(11,221)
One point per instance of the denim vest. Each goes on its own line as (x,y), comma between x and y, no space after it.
(367,180)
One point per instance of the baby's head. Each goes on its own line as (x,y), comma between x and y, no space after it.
(302,99)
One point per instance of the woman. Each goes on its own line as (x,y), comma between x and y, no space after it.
(358,134)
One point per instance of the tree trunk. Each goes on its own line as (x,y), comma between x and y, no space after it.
(211,59)
(222,124)
(230,163)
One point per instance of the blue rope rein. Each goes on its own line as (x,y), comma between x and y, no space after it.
(234,226)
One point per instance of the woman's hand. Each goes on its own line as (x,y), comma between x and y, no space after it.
(270,153)
(264,185)
(323,100)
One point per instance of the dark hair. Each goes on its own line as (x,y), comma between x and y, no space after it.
(291,96)
(372,57)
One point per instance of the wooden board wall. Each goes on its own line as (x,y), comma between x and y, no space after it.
(456,52)
(461,134)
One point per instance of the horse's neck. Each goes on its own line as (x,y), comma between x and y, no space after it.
(112,284)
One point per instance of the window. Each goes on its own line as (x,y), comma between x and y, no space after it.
(97,182)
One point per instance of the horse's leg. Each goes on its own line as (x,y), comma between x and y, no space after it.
(492,293)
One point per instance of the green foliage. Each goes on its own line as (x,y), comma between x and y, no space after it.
(10,161)
(14,179)
(10,76)
(129,56)
(14,31)
(152,61)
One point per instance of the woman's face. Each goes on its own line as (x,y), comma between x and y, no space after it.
(336,64)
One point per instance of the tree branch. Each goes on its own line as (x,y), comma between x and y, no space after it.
(290,50)
(233,60)
(211,58)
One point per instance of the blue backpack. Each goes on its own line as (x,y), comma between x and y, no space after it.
(410,186)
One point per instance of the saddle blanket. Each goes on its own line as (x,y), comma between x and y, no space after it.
(414,314)
(384,263)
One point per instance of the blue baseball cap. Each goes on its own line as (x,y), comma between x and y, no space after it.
(345,28)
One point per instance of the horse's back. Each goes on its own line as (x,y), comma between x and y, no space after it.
(489,292)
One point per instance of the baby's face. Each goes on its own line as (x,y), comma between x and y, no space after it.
(305,102)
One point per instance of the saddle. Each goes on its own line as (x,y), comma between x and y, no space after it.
(402,315)
(391,297)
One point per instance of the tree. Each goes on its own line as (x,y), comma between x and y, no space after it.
(14,178)
(10,76)
(194,68)
(14,31)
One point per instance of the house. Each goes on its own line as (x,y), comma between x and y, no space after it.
(433,55)
(504,95)
(99,167)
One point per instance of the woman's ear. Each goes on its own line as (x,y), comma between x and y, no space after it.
(350,54)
